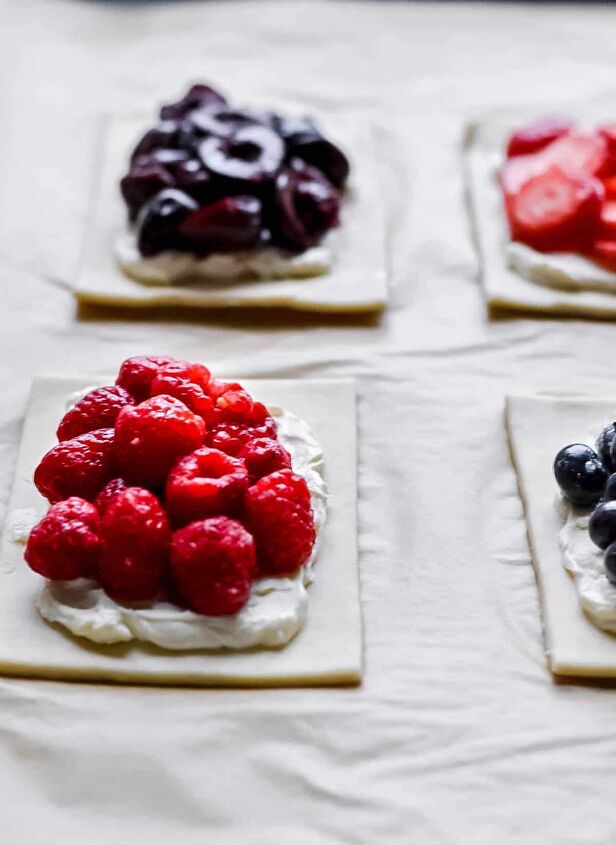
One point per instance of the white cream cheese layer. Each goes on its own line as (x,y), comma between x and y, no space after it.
(274,613)
(175,267)
(565,271)
(584,561)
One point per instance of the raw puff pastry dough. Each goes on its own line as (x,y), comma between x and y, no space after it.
(356,281)
(538,427)
(327,651)
(503,287)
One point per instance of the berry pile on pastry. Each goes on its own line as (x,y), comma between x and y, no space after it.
(172,488)
(559,189)
(210,178)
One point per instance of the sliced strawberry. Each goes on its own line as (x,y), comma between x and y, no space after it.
(608,220)
(579,153)
(610,187)
(556,211)
(605,252)
(536,136)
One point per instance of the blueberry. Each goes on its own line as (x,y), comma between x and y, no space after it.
(580,474)
(602,524)
(158,221)
(145,178)
(252,155)
(610,564)
(604,445)
(609,493)
(197,97)
(308,206)
(162,136)
(232,223)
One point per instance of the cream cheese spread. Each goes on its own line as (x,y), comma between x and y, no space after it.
(173,267)
(565,271)
(274,613)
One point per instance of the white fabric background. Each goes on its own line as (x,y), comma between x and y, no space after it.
(458,734)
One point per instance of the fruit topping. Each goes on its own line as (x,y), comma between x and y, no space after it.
(64,545)
(135,537)
(159,218)
(250,156)
(150,437)
(77,467)
(203,179)
(137,374)
(602,524)
(307,205)
(205,483)
(213,564)
(232,223)
(169,417)
(98,409)
(610,564)
(143,181)
(607,220)
(279,515)
(610,488)
(536,136)
(604,445)
(605,253)
(580,474)
(555,210)
(116,485)
(262,456)
(197,97)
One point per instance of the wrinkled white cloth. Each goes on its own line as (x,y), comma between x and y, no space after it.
(458,734)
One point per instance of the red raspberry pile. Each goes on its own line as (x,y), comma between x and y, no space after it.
(559,186)
(170,484)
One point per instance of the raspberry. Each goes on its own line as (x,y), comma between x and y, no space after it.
(236,404)
(195,373)
(136,374)
(135,538)
(116,485)
(206,483)
(99,409)
(263,456)
(77,467)
(191,394)
(152,436)
(64,544)
(231,437)
(213,563)
(279,514)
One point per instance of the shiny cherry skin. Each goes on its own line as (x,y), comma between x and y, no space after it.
(580,474)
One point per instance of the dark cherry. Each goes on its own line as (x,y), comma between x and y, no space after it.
(159,219)
(142,182)
(221,122)
(308,205)
(191,176)
(197,97)
(163,136)
(290,128)
(610,488)
(252,155)
(232,223)
(316,150)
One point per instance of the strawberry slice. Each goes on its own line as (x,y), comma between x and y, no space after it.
(556,211)
(581,153)
(536,136)
(605,252)
(608,220)
(577,153)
